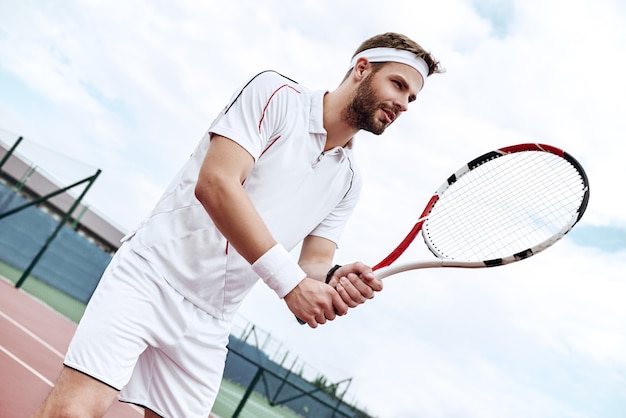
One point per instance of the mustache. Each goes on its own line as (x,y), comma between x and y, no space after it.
(390,108)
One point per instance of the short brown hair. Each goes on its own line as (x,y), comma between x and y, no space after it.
(399,41)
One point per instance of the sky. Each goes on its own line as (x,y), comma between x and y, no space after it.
(129,87)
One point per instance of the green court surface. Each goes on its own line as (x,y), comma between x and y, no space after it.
(59,301)
(230,393)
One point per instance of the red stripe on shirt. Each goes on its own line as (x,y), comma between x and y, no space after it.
(270,99)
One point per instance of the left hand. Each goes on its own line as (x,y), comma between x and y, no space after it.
(355,283)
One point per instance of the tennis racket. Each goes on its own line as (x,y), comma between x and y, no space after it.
(502,207)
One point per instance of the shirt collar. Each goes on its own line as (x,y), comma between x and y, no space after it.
(316,115)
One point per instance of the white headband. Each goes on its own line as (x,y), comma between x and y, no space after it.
(394,55)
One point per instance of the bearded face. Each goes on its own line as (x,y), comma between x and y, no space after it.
(361,112)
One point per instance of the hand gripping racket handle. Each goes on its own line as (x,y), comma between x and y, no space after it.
(329,276)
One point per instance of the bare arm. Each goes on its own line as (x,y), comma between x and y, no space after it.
(219,189)
(316,256)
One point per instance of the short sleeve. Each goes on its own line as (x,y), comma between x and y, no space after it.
(256,111)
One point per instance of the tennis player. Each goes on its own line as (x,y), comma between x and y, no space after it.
(275,169)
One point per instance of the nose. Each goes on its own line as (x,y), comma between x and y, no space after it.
(402,104)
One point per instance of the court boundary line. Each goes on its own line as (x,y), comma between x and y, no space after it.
(41,341)
(26,366)
(32,335)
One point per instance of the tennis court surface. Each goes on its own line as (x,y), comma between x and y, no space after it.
(33,341)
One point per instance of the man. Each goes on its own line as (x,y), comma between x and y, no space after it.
(275,169)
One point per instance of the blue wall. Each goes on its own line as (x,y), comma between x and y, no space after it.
(71,263)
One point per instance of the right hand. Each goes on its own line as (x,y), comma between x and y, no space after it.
(315,302)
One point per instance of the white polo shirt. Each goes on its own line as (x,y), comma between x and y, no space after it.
(297,188)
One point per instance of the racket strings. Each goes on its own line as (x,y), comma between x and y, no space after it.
(504,221)
(505,206)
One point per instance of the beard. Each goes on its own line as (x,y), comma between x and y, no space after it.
(360,112)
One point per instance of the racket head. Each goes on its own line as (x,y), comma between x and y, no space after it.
(506,205)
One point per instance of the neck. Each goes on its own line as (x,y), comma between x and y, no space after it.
(338,132)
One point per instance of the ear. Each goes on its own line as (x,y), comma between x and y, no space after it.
(361,68)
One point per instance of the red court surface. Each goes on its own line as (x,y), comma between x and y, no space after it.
(33,340)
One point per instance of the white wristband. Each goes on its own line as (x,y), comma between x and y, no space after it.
(279,270)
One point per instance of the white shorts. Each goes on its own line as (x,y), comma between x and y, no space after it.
(140,336)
